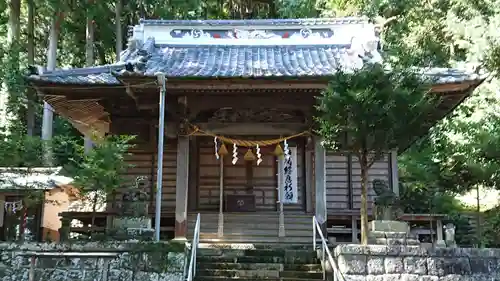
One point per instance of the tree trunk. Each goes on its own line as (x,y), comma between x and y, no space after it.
(363,161)
(118,28)
(12,101)
(30,114)
(94,213)
(89,56)
(14,21)
(48,115)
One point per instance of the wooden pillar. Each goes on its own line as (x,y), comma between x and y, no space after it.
(181,187)
(394,171)
(309,178)
(320,181)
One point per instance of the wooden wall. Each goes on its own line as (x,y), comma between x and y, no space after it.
(169,177)
(343,188)
(143,159)
(235,178)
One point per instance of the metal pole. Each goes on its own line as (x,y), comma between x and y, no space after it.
(159,174)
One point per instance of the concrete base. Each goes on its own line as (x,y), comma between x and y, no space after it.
(440,244)
(180,239)
(389,226)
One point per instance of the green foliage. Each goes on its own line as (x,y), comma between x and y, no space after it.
(491,235)
(373,109)
(101,168)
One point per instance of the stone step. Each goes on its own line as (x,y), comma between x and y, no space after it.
(257,259)
(258,273)
(255,232)
(219,278)
(253,246)
(227,238)
(253,217)
(260,225)
(256,252)
(261,266)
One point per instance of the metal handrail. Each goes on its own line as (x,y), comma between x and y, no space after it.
(194,247)
(326,255)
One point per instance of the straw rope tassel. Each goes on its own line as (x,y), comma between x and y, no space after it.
(223,150)
(249,155)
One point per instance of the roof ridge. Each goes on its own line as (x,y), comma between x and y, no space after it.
(264,22)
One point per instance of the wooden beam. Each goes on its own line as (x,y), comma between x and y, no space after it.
(254,128)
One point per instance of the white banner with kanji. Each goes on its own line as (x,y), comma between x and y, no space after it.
(288,183)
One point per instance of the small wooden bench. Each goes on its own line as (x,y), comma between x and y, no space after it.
(105,256)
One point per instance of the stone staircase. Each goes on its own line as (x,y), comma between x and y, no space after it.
(216,262)
(254,228)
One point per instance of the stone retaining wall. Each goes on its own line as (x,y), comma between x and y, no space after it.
(416,263)
(135,262)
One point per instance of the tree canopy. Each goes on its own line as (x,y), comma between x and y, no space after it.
(371,111)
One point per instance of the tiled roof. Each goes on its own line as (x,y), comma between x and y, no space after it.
(248,61)
(232,61)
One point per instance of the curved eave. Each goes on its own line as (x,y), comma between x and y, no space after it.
(453,95)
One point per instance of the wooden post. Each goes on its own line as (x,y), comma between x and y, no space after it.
(309,178)
(281,180)
(220,228)
(320,182)
(181,188)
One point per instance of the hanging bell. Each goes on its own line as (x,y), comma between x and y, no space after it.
(278,151)
(223,150)
(249,155)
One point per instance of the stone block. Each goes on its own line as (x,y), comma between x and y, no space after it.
(375,265)
(377,250)
(351,249)
(454,277)
(410,277)
(393,265)
(396,235)
(389,226)
(415,265)
(357,278)
(376,234)
(396,242)
(428,278)
(483,265)
(392,277)
(352,264)
(435,266)
(166,276)
(374,277)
